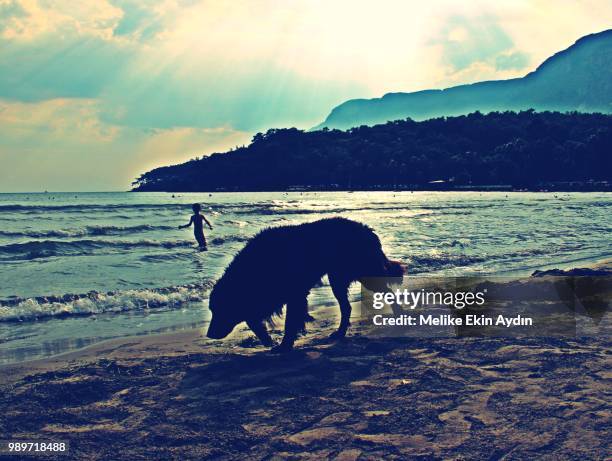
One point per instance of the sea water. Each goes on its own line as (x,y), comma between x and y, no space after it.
(77,268)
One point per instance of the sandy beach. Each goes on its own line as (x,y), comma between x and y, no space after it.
(183,396)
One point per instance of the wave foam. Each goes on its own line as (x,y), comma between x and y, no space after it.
(31,309)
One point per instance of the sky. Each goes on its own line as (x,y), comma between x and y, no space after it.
(95,92)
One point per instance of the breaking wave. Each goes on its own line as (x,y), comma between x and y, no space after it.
(30,309)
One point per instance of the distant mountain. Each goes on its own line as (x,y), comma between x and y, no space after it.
(576,79)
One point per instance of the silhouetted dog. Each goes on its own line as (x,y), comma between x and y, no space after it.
(281,265)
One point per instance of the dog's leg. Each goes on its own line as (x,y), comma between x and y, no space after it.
(261,332)
(340,287)
(294,323)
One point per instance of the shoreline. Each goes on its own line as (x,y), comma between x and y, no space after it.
(184,341)
(483,188)
(305,190)
(110,347)
(190,340)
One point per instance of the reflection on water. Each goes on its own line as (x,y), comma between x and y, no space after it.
(62,335)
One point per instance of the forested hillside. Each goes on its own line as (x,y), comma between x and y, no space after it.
(571,151)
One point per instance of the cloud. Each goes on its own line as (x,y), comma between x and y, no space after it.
(11,12)
(144,20)
(53,49)
(481,40)
(54,122)
(55,143)
(515,60)
(135,14)
(25,20)
(71,67)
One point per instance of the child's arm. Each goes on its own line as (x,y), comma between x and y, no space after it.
(206,221)
(186,225)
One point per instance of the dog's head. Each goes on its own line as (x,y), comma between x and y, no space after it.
(225,314)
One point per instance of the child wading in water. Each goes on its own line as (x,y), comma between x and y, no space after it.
(198,228)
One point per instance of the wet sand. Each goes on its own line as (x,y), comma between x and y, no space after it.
(181,396)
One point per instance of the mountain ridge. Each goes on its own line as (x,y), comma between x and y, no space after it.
(583,68)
